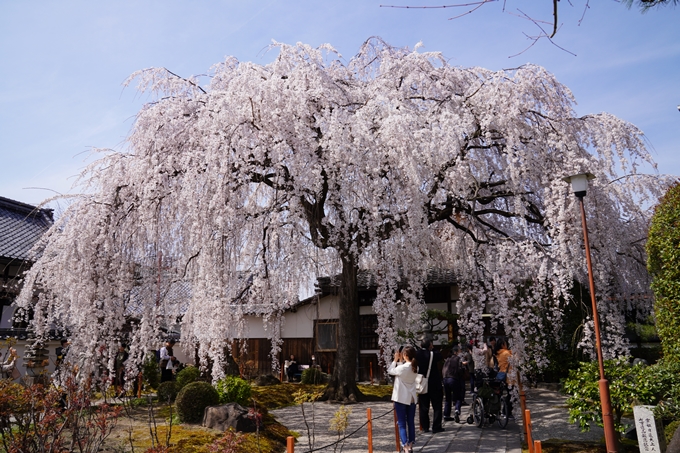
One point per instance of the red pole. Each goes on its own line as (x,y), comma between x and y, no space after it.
(527,422)
(370,430)
(290,444)
(537,446)
(396,431)
(522,402)
(610,436)
(370,369)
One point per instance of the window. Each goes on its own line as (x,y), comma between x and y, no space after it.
(327,335)
(369,332)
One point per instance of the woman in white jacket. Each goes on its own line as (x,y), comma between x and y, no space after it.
(403,368)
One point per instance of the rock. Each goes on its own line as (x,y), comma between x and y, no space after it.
(631,433)
(674,446)
(231,415)
(267,379)
(640,361)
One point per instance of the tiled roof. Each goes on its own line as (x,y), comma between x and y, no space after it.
(366,279)
(21,225)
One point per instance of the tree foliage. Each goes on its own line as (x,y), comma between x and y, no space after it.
(246,185)
(663,248)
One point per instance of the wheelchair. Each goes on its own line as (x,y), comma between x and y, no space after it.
(490,401)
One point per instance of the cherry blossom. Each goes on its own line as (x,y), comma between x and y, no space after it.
(249,183)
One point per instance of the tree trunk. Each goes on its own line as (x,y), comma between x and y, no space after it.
(342,386)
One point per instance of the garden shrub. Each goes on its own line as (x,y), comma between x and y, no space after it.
(192,400)
(663,250)
(312,376)
(150,371)
(186,376)
(233,389)
(628,385)
(167,391)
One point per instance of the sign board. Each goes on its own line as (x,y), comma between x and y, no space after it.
(650,438)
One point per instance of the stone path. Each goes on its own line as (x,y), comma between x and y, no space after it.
(549,421)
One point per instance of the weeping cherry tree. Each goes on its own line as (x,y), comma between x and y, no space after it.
(250,182)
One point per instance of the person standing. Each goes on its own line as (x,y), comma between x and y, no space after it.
(435,393)
(119,368)
(8,367)
(454,376)
(469,369)
(61,352)
(404,368)
(167,362)
(292,369)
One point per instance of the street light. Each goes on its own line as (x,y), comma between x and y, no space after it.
(579,184)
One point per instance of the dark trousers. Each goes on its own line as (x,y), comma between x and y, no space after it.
(454,389)
(433,396)
(166,375)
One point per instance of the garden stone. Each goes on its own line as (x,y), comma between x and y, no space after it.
(674,446)
(231,415)
(267,379)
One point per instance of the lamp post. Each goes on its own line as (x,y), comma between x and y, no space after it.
(579,184)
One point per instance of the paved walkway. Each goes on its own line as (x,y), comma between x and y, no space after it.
(548,413)
(457,437)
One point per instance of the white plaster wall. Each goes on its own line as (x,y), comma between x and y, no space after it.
(301,323)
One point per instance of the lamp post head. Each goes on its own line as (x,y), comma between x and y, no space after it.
(579,183)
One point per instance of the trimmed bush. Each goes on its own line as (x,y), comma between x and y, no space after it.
(150,371)
(233,389)
(663,263)
(312,376)
(193,399)
(167,391)
(187,376)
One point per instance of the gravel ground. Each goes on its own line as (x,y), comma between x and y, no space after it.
(549,415)
(550,418)
(457,437)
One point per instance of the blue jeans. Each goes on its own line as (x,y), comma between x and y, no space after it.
(405,418)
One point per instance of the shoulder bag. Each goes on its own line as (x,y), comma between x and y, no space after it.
(421,381)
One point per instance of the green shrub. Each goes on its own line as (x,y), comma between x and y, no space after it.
(193,399)
(150,371)
(167,391)
(628,385)
(663,263)
(186,376)
(233,389)
(312,376)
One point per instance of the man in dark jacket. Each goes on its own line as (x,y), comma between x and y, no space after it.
(434,393)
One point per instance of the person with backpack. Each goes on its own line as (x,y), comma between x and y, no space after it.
(454,383)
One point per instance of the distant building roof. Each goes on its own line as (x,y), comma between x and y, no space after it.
(366,280)
(21,225)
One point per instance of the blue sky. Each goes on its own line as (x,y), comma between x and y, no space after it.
(62,63)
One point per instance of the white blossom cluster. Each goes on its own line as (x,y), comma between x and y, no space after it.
(251,182)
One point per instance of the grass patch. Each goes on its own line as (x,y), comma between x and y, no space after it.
(380,392)
(278,396)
